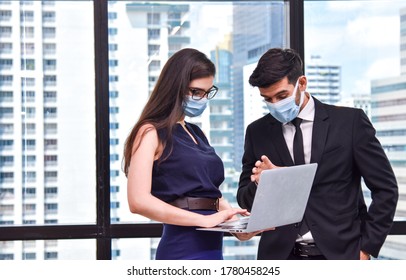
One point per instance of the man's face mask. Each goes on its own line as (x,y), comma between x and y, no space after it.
(286,109)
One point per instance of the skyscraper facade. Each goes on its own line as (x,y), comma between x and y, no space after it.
(324,80)
(47,150)
(256,29)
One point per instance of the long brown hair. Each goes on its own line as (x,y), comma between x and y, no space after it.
(165,105)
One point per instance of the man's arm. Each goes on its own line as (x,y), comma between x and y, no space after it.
(378,175)
(247,189)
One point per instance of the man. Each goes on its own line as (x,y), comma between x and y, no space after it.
(336,224)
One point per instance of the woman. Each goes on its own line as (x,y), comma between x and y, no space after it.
(173,173)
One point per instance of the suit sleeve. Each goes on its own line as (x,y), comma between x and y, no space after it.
(380,180)
(247,189)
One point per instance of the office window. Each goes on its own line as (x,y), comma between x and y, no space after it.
(29,112)
(49,48)
(27,82)
(49,64)
(6,80)
(50,144)
(28,96)
(6,64)
(114,110)
(113,62)
(29,209)
(27,64)
(26,16)
(28,128)
(50,80)
(5,31)
(27,32)
(6,112)
(48,32)
(113,31)
(5,47)
(28,160)
(27,48)
(29,256)
(51,128)
(51,192)
(29,176)
(6,144)
(50,160)
(6,128)
(50,96)
(50,112)
(113,47)
(5,15)
(113,93)
(154,34)
(113,78)
(351,67)
(48,16)
(153,18)
(112,15)
(6,161)
(28,144)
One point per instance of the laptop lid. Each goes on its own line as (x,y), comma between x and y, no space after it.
(280,199)
(281,196)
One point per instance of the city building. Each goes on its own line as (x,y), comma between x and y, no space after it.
(323,80)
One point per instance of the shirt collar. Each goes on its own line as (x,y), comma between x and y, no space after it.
(307,113)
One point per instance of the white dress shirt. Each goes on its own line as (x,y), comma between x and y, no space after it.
(307,115)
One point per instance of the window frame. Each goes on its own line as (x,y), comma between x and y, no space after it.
(104,231)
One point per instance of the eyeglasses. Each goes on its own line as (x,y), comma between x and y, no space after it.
(198,93)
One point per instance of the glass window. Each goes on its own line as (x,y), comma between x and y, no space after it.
(47,146)
(233,34)
(349,63)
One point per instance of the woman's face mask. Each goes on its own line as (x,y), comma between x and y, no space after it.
(194,108)
(286,109)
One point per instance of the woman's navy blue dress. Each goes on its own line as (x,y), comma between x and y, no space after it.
(192,170)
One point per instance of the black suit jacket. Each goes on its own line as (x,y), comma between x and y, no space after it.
(346,149)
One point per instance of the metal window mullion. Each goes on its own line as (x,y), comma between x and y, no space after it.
(296,26)
(102,129)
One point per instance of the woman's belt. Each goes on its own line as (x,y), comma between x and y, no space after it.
(196,203)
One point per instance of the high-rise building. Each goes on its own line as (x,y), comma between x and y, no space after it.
(324,80)
(47,176)
(257,28)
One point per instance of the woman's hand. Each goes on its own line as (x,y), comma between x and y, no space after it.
(220,217)
(260,165)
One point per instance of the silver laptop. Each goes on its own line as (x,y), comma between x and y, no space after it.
(280,199)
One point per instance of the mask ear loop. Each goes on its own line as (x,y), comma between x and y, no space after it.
(302,93)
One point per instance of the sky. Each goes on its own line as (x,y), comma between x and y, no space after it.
(363,37)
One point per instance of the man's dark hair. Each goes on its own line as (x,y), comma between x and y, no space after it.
(276,64)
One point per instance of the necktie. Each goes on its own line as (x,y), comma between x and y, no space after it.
(298,155)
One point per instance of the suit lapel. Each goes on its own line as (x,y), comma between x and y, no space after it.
(320,130)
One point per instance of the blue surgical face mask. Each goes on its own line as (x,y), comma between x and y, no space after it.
(194,108)
(286,109)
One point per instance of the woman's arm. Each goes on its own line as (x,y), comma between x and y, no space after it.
(142,202)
